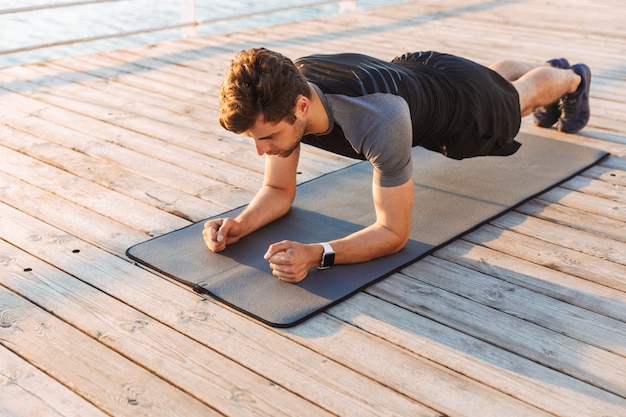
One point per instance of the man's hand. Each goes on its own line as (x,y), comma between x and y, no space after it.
(221,232)
(291,261)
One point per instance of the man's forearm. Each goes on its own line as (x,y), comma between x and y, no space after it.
(367,244)
(267,205)
(388,234)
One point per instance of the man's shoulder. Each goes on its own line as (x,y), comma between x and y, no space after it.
(381,108)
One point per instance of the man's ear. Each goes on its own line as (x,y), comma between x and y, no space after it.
(302,106)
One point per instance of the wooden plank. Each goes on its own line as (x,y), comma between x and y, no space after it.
(121,388)
(101,67)
(263,350)
(617,164)
(571,321)
(565,206)
(571,18)
(147,126)
(208,55)
(571,357)
(127,164)
(567,237)
(38,204)
(615,177)
(209,377)
(107,174)
(614,192)
(551,255)
(58,76)
(26,391)
(530,50)
(555,284)
(439,387)
(521,378)
(96,198)
(495,17)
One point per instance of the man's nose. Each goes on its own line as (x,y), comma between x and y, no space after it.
(261,148)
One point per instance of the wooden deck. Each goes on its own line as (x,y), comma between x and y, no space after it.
(524,317)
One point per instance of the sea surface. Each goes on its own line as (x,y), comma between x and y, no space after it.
(45,26)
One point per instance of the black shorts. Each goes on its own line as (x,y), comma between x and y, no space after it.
(466,109)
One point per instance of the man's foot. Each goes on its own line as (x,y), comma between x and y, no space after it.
(575,106)
(547,116)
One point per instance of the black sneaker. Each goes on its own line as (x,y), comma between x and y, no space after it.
(547,116)
(575,106)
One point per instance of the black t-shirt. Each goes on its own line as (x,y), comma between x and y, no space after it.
(379,110)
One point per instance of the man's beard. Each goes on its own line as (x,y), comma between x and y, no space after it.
(299,128)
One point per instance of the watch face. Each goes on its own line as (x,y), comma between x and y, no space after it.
(328,260)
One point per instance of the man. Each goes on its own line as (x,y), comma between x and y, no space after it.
(366,108)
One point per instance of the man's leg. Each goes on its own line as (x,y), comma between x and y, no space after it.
(548,86)
(512,70)
(543,86)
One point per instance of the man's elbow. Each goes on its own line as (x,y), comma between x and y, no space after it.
(400,246)
(284,210)
(288,202)
(398,243)
(283,199)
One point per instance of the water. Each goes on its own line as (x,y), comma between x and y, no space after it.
(19,30)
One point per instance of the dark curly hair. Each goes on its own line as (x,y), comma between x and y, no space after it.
(260,81)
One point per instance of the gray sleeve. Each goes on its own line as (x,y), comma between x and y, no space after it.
(378,126)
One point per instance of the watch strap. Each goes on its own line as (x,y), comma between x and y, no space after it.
(327,255)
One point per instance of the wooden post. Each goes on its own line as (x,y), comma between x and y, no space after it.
(188,15)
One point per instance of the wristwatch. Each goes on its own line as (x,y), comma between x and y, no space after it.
(328,257)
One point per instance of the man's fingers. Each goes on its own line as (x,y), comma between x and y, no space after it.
(283,259)
(280,263)
(218,233)
(279,258)
(285,275)
(218,229)
(212,237)
(212,229)
(276,248)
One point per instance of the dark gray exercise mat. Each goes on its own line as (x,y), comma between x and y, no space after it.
(451,198)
